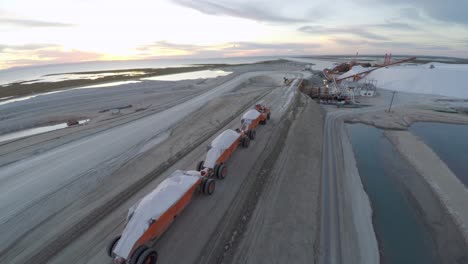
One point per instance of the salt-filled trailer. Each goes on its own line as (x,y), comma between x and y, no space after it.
(152,215)
(219,151)
(251,119)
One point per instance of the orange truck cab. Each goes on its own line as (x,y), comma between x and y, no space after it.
(250,120)
(220,149)
(151,216)
(263,110)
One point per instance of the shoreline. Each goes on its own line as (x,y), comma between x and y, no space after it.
(19,88)
(362,212)
(437,195)
(402,118)
(448,193)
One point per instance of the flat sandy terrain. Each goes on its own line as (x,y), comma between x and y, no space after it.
(284,225)
(294,195)
(65,193)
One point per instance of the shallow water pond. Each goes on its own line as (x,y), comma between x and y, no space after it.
(449,142)
(402,235)
(35,131)
(189,75)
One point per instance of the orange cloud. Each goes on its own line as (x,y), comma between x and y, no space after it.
(36,54)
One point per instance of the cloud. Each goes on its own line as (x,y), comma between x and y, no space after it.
(363,31)
(350,42)
(26,47)
(447,10)
(410,13)
(60,56)
(28,54)
(392,25)
(168,45)
(19,22)
(164,48)
(236,9)
(357,31)
(273,46)
(389,44)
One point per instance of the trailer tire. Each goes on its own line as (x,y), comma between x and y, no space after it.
(245,142)
(268,116)
(111,246)
(202,185)
(149,256)
(200,165)
(221,172)
(253,134)
(215,170)
(136,254)
(263,122)
(209,186)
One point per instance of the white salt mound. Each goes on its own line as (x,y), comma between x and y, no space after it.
(355,70)
(432,78)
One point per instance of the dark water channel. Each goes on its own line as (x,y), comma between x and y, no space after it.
(449,142)
(402,235)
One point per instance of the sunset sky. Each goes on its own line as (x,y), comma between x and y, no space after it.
(58,31)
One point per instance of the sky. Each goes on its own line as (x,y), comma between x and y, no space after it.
(63,31)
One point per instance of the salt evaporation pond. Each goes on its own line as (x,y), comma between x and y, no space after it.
(449,142)
(189,75)
(35,131)
(402,235)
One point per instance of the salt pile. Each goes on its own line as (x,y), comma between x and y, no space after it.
(432,78)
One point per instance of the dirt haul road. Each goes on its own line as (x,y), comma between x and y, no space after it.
(284,225)
(346,231)
(46,207)
(190,239)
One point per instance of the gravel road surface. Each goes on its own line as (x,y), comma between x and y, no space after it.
(50,199)
(284,226)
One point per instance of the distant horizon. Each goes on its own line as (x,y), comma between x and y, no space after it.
(220,58)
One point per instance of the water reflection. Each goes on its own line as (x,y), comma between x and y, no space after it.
(189,75)
(19,99)
(449,142)
(35,131)
(403,236)
(81,76)
(106,84)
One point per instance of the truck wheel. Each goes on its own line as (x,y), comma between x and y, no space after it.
(268,116)
(202,185)
(200,165)
(253,134)
(263,122)
(209,186)
(111,246)
(245,142)
(221,173)
(149,256)
(215,170)
(136,254)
